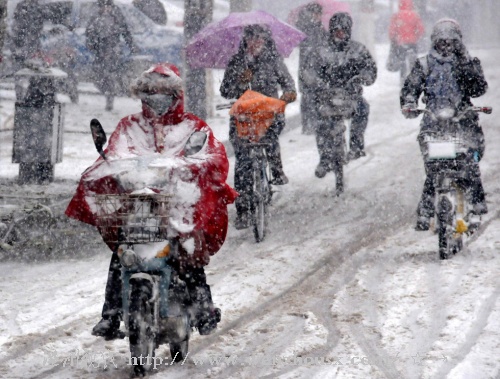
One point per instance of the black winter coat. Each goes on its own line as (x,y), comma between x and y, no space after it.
(347,68)
(104,31)
(269,74)
(467,73)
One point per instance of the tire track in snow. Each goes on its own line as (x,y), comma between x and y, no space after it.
(472,335)
(373,346)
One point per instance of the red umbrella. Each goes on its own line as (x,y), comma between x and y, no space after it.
(329,8)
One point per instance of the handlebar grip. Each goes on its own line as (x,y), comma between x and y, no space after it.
(487,110)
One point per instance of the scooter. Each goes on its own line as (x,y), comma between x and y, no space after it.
(157,308)
(447,152)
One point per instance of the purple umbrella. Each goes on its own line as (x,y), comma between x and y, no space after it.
(214,45)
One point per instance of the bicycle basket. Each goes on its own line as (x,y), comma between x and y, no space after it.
(254,113)
(253,126)
(130,218)
(444,146)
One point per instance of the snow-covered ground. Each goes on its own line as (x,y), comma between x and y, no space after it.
(341,288)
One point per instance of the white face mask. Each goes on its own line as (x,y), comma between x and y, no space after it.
(159,103)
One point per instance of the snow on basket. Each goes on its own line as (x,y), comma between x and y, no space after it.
(133,218)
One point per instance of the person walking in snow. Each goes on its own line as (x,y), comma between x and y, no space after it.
(447,77)
(341,65)
(27,31)
(163,131)
(103,38)
(258,66)
(406,29)
(309,22)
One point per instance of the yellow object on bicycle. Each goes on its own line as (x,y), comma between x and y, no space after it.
(254,113)
(461,226)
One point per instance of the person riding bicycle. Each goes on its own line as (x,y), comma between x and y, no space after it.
(163,132)
(257,66)
(448,77)
(344,65)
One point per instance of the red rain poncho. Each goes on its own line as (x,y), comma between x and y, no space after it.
(146,151)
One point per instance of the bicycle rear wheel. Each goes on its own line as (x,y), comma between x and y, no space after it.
(261,199)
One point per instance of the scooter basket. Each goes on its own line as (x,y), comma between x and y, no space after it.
(132,218)
(444,146)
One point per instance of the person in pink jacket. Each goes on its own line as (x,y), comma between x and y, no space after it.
(405,31)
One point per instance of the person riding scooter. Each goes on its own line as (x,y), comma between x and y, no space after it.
(165,133)
(448,77)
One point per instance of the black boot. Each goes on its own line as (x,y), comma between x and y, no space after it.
(109,328)
(279,177)
(205,314)
(242,221)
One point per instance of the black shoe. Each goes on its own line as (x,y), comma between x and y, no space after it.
(320,171)
(207,321)
(242,222)
(109,328)
(355,154)
(423,224)
(479,209)
(279,178)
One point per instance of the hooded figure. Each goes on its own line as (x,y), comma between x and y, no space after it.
(257,66)
(340,65)
(405,31)
(406,26)
(27,30)
(169,151)
(447,77)
(103,39)
(309,22)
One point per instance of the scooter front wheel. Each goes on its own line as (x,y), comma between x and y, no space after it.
(179,351)
(142,335)
(445,220)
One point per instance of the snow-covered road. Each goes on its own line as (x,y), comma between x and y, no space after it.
(341,288)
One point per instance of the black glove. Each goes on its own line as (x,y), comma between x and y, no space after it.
(459,49)
(409,110)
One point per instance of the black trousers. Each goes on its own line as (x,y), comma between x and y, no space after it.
(309,111)
(330,133)
(194,277)
(243,179)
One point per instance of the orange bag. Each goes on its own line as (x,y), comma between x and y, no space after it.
(254,113)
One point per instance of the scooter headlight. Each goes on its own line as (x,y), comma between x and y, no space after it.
(129,259)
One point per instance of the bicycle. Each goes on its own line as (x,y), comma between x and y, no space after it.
(339,112)
(447,152)
(253,114)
